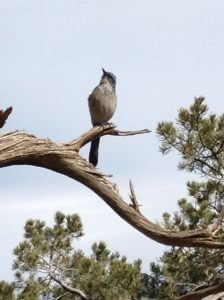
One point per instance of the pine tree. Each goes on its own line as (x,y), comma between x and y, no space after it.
(199,139)
(47,266)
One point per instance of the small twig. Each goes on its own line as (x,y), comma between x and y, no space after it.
(133,198)
(127,133)
(4,115)
(221,216)
(61,296)
(99,131)
(68,288)
(64,269)
(213,229)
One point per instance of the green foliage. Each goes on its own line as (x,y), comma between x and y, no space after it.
(6,291)
(107,276)
(199,139)
(41,241)
(46,258)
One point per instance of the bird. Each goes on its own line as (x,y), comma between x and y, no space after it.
(102,105)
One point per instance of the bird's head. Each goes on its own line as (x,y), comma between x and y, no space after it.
(109,77)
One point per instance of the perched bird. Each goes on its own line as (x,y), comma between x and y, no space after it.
(102,105)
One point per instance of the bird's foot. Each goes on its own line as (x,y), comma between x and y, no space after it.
(109,123)
(112,125)
(104,124)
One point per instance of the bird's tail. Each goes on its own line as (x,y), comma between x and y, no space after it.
(93,154)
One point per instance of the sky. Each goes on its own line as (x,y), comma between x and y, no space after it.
(163,53)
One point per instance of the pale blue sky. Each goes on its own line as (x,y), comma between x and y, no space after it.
(164,53)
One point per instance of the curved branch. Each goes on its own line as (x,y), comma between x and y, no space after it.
(68,288)
(20,148)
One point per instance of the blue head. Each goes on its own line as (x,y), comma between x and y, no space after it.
(109,77)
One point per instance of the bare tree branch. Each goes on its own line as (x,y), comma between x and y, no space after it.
(68,288)
(133,198)
(20,148)
(4,115)
(99,131)
(218,296)
(61,296)
(201,294)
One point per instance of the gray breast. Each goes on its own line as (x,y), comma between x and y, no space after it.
(102,104)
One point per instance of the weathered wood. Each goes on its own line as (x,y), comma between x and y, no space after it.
(20,148)
(201,294)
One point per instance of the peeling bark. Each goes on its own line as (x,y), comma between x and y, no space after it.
(20,148)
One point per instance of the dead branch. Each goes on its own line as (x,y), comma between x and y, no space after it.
(61,296)
(20,148)
(201,294)
(4,115)
(99,131)
(133,198)
(67,287)
(218,296)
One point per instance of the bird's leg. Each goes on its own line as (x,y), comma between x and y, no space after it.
(107,123)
